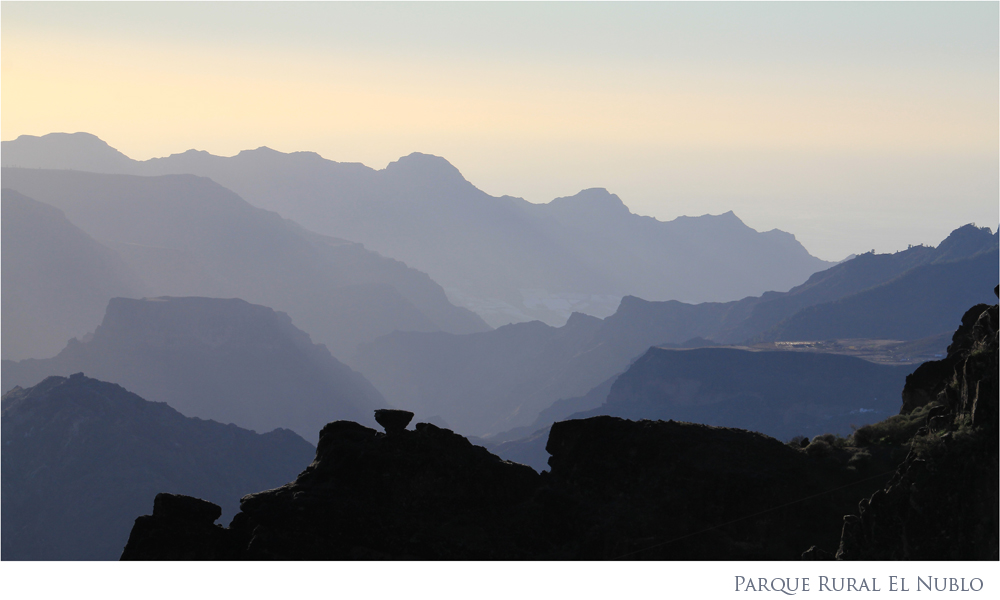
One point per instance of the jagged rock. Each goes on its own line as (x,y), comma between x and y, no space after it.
(392,420)
(929,379)
(663,490)
(617,489)
(942,503)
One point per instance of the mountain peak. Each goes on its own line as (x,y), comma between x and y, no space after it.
(424,168)
(965,241)
(79,151)
(593,201)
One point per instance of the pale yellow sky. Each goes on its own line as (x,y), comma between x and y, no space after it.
(847,134)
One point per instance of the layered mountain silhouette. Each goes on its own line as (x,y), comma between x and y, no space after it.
(505,258)
(941,287)
(617,489)
(781,394)
(526,367)
(189,236)
(225,360)
(82,458)
(57,280)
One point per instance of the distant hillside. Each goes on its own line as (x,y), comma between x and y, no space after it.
(940,292)
(485,383)
(225,360)
(868,271)
(188,236)
(57,280)
(505,258)
(492,382)
(780,394)
(83,458)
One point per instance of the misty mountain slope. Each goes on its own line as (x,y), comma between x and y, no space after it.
(56,279)
(506,258)
(225,360)
(440,373)
(856,275)
(190,236)
(780,394)
(718,252)
(83,458)
(485,383)
(924,301)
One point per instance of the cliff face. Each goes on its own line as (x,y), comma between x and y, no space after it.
(942,501)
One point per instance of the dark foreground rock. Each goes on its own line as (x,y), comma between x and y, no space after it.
(942,503)
(617,489)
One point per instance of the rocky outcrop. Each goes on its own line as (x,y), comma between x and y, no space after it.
(662,490)
(942,503)
(423,493)
(617,489)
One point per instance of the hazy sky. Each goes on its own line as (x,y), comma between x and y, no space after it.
(852,125)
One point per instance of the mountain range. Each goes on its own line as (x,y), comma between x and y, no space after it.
(57,280)
(188,236)
(225,360)
(507,259)
(486,383)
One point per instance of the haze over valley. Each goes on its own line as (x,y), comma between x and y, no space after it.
(524,282)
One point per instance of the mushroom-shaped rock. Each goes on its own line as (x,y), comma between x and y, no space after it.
(173,506)
(394,421)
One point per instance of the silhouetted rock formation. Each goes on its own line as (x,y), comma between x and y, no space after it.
(393,421)
(617,490)
(426,493)
(189,236)
(226,360)
(57,280)
(81,458)
(943,501)
(656,490)
(422,210)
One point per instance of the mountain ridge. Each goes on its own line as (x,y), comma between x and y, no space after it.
(220,359)
(504,258)
(82,458)
(189,236)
